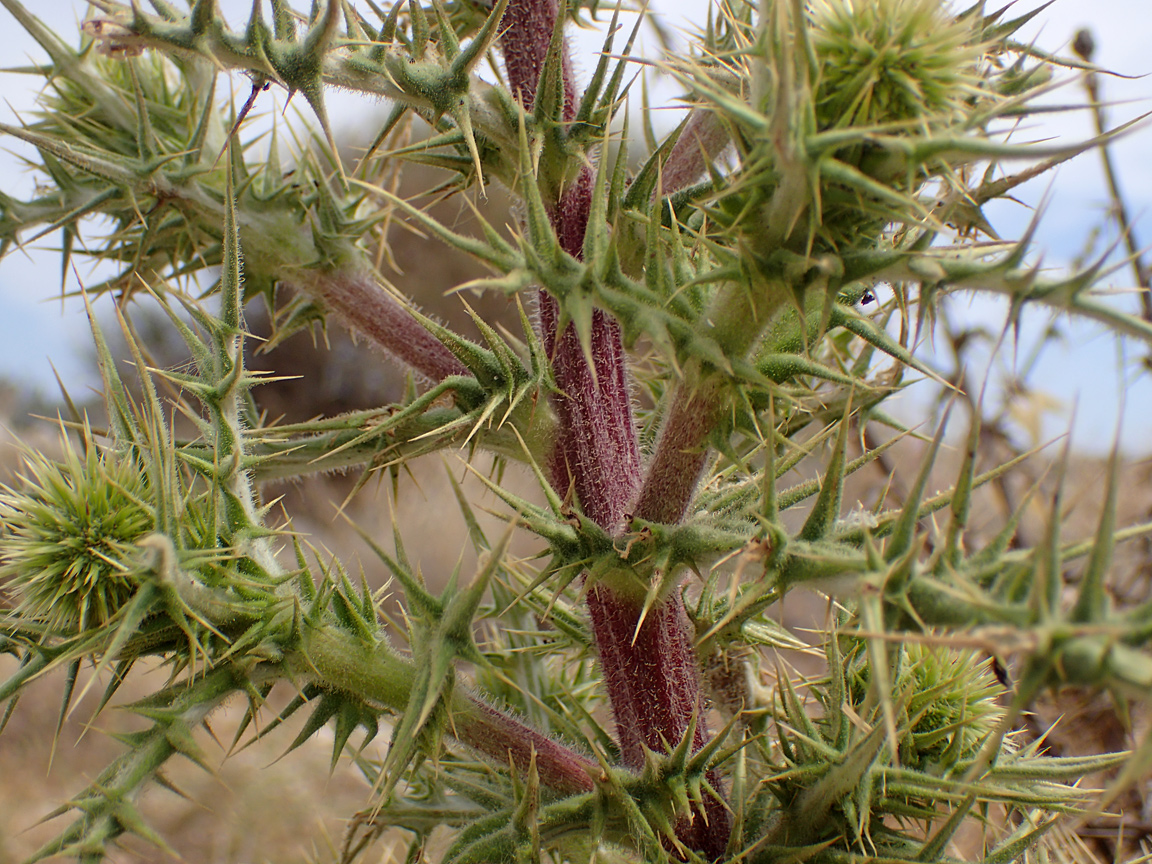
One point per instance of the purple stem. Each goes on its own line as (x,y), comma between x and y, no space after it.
(653,681)
(504,738)
(366,307)
(682,448)
(597,454)
(703,139)
(527,27)
(651,671)
(681,453)
(697,407)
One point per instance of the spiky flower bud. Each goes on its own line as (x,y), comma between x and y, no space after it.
(893,61)
(67,542)
(952,707)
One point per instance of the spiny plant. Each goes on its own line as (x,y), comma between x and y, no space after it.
(690,334)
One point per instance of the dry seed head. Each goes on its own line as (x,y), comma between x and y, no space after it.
(67,537)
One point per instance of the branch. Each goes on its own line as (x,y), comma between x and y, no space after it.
(379,674)
(366,307)
(704,138)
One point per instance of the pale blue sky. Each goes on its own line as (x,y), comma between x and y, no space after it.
(35,327)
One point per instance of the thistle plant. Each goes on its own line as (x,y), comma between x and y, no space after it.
(691,330)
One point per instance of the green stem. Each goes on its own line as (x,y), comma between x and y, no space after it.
(378,674)
(337,659)
(698,404)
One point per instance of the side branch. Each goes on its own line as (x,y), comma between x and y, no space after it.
(701,142)
(378,674)
(366,307)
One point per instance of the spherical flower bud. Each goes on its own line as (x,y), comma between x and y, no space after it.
(67,534)
(885,62)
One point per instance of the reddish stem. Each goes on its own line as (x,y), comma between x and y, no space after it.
(682,448)
(502,738)
(651,671)
(527,27)
(681,452)
(597,454)
(653,681)
(703,139)
(366,307)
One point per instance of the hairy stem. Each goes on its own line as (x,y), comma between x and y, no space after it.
(651,671)
(653,680)
(381,675)
(378,674)
(366,307)
(527,27)
(681,453)
(703,139)
(698,404)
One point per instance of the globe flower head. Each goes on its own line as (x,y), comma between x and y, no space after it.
(951,707)
(885,62)
(68,535)
(954,707)
(848,117)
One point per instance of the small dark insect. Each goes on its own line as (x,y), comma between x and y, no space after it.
(1000,672)
(868,297)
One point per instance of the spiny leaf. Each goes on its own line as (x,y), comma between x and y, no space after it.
(903,531)
(1092,602)
(827,507)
